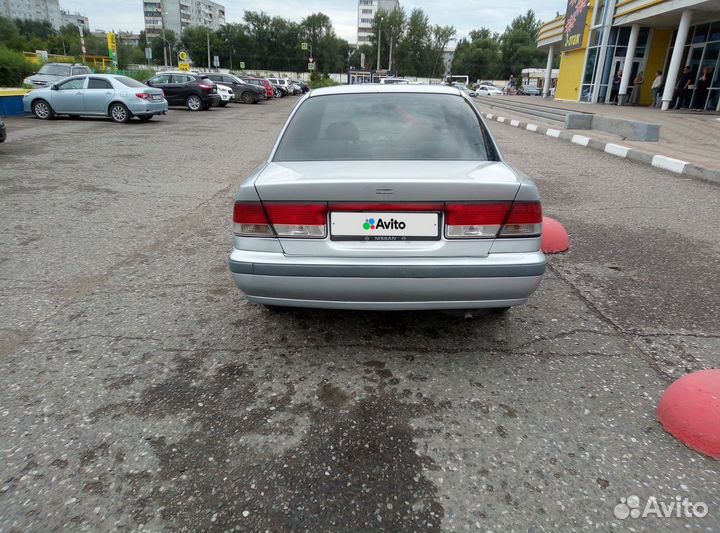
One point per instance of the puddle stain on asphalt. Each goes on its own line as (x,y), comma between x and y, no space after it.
(355,467)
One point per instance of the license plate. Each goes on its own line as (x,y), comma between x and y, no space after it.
(157,97)
(373,226)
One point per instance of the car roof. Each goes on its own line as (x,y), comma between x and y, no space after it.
(366,88)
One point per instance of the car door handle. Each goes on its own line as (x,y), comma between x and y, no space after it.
(108,92)
(79,92)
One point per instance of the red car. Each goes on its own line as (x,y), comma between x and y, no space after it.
(262,82)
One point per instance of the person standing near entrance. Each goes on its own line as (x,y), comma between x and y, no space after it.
(657,85)
(701,91)
(615,87)
(682,89)
(637,87)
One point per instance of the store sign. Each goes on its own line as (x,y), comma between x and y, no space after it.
(112,48)
(575,17)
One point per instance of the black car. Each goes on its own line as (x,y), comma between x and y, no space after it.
(3,135)
(196,91)
(303,85)
(244,92)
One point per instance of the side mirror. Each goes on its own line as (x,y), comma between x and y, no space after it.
(53,87)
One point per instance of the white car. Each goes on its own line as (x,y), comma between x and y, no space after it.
(488,90)
(226,94)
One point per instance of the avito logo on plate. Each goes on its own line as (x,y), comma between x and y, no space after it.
(382,224)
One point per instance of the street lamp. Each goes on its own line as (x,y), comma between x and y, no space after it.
(377,68)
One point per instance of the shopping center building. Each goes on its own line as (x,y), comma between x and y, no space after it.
(597,39)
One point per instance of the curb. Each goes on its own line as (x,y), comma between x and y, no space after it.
(676,166)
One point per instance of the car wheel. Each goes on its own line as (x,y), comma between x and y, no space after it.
(248,98)
(193,103)
(42,110)
(145,118)
(119,113)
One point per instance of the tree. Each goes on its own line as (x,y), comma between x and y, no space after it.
(519,45)
(441,36)
(480,57)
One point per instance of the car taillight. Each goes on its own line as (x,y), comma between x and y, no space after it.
(143,96)
(525,219)
(284,219)
(492,219)
(206,86)
(251,221)
(301,220)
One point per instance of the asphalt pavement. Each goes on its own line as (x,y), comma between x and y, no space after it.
(140,392)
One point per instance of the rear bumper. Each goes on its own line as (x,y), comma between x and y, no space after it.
(498,280)
(148,108)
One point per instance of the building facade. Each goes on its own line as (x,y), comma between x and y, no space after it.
(366,14)
(76,19)
(604,46)
(178,15)
(48,10)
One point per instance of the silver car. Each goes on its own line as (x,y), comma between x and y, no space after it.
(387,197)
(118,97)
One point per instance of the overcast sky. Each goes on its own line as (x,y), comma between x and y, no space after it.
(127,14)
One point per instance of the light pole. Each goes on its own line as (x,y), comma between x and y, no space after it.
(162,21)
(377,68)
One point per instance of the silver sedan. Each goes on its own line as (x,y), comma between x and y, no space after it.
(387,197)
(117,97)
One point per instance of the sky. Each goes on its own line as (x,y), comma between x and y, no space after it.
(127,15)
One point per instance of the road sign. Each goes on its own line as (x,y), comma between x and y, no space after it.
(148,53)
(216,61)
(311,66)
(362,60)
(112,48)
(242,64)
(185,67)
(304,46)
(183,56)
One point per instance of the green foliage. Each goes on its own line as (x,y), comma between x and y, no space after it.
(318,81)
(495,56)
(13,68)
(139,75)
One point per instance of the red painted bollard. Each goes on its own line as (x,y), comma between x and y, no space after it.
(555,237)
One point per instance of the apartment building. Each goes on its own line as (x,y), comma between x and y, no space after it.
(366,13)
(33,9)
(76,19)
(177,15)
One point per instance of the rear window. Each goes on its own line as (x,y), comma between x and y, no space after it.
(129,82)
(376,127)
(55,70)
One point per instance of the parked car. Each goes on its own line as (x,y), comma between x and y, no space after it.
(244,92)
(387,197)
(191,89)
(296,89)
(487,90)
(3,131)
(51,73)
(529,90)
(303,85)
(464,88)
(264,83)
(226,94)
(281,87)
(118,97)
(393,81)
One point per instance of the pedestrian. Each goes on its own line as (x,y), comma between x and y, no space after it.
(683,89)
(657,88)
(701,90)
(615,87)
(637,87)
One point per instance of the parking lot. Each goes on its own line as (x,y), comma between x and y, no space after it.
(140,392)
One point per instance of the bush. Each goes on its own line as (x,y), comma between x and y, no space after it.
(316,82)
(140,75)
(14,68)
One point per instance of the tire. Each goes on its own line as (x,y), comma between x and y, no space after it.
(194,103)
(119,113)
(42,110)
(248,98)
(279,94)
(145,118)
(222,104)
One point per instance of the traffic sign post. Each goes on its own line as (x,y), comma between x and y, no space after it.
(242,64)
(216,61)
